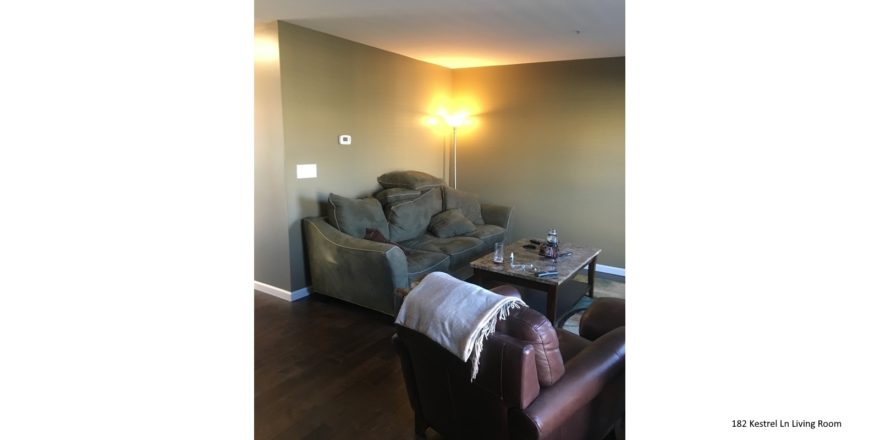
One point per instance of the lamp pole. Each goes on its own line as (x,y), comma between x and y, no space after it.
(454,121)
(454,159)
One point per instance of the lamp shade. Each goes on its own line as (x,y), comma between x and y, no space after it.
(455,120)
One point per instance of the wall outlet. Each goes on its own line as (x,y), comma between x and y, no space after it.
(345,139)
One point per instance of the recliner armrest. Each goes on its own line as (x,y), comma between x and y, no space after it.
(604,315)
(585,376)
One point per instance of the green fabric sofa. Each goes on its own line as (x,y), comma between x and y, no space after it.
(364,249)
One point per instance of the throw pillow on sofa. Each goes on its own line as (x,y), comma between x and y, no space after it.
(416,180)
(451,223)
(376,235)
(467,202)
(354,216)
(410,219)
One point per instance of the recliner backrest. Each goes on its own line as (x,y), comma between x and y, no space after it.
(531,327)
(439,385)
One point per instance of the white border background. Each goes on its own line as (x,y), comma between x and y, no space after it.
(127,170)
(127,238)
(752,218)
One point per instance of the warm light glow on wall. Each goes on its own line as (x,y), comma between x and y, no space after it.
(462,62)
(265,49)
(456,119)
(462,115)
(459,120)
(445,112)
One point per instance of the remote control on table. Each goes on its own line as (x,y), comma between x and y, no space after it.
(547,273)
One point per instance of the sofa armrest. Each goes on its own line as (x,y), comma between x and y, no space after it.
(356,270)
(585,376)
(496,214)
(604,315)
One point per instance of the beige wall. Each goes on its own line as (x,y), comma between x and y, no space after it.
(548,138)
(332,86)
(271,248)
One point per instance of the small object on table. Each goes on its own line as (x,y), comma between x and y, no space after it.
(530,246)
(528,262)
(533,241)
(546,273)
(550,248)
(499,253)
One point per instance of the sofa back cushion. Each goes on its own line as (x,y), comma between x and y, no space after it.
(467,202)
(354,216)
(410,219)
(416,180)
(391,196)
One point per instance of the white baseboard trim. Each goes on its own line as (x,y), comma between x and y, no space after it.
(301,293)
(611,270)
(281,293)
(272,290)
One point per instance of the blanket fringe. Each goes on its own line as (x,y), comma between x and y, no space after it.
(487,330)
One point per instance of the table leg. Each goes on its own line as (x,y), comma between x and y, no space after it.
(551,305)
(591,276)
(479,279)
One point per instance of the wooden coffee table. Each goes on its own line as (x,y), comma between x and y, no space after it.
(486,271)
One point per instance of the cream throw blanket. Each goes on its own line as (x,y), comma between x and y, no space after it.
(455,314)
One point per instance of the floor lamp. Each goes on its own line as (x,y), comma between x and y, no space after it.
(454,121)
(454,158)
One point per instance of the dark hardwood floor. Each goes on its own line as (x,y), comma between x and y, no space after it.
(324,369)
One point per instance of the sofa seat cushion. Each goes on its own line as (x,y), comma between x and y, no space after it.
(410,219)
(488,233)
(420,263)
(461,250)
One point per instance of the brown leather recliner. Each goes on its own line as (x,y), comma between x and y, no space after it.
(534,381)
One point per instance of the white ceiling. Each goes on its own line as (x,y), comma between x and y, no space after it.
(465,33)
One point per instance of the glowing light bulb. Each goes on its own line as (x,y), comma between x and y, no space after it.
(455,120)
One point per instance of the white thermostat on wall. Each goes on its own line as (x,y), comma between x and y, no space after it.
(345,139)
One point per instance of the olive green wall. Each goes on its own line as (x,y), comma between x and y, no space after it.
(271,248)
(548,138)
(331,86)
